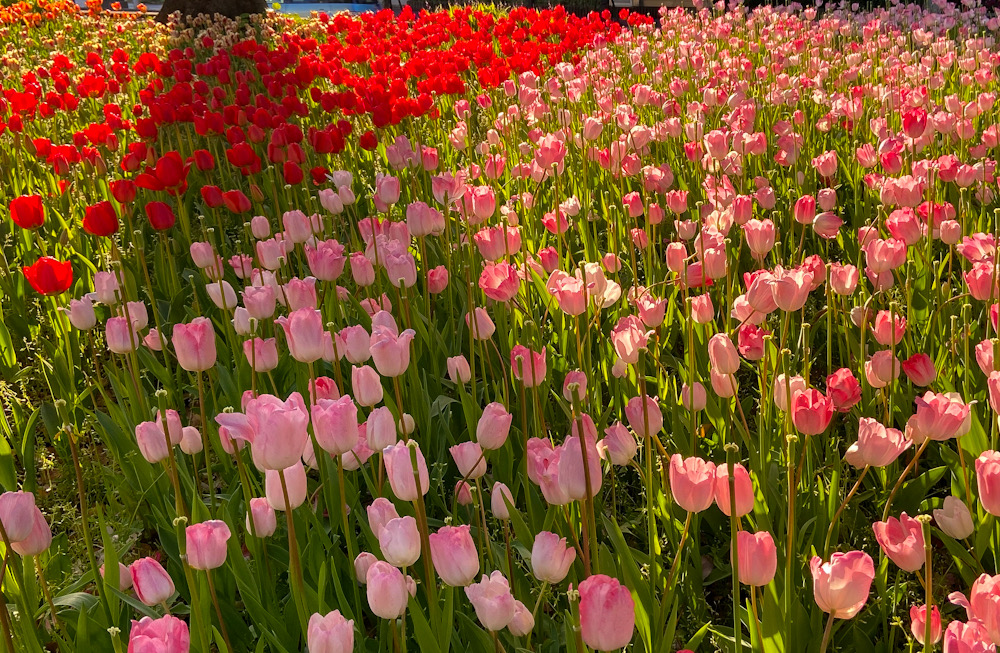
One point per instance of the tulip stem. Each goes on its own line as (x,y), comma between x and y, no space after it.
(826,632)
(425,542)
(840,509)
(218,611)
(298,591)
(204,440)
(653,541)
(47,594)
(734,519)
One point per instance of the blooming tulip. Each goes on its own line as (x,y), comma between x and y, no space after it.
(492,600)
(551,558)
(841,585)
(902,540)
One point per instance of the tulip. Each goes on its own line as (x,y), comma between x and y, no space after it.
(757,556)
(523,621)
(699,399)
(841,585)
(454,555)
(842,389)
(386,588)
(499,500)
(492,600)
(381,427)
(17,514)
(988,481)
(982,604)
(335,424)
(619,445)
(295,482)
(167,634)
(888,329)
(469,459)
(38,540)
(722,354)
(390,352)
(304,333)
(877,445)
(902,540)
(399,541)
(261,519)
(278,430)
(151,582)
(551,558)
(811,412)
(529,367)
(629,337)
(49,276)
(692,482)
(882,369)
(954,518)
(459,372)
(919,368)
(330,634)
(971,637)
(743,486)
(644,416)
(206,544)
(607,613)
(402,476)
(27,211)
(124,578)
(362,563)
(367,385)
(194,344)
(356,345)
(918,623)
(573,477)
(493,426)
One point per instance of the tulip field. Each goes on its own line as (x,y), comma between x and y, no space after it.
(500,330)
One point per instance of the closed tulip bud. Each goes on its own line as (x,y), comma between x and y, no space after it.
(380,512)
(305,334)
(151,581)
(694,401)
(381,427)
(260,227)
(152,441)
(261,519)
(167,634)
(386,588)
(206,544)
(17,514)
(330,634)
(918,624)
(469,458)
(194,344)
(722,354)
(644,416)
(335,424)
(954,518)
(38,540)
(702,311)
(437,280)
(572,476)
(805,209)
(523,621)
(402,476)
(463,493)
(459,370)
(295,482)
(399,541)
(743,486)
(493,426)
(919,368)
(362,564)
(454,555)
(191,441)
(492,600)
(841,586)
(551,558)
(499,499)
(120,337)
(81,313)
(988,481)
(882,368)
(758,558)
(367,385)
(124,577)
(607,613)
(843,389)
(724,385)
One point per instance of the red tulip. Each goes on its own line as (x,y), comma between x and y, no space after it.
(101,219)
(49,276)
(124,191)
(160,215)
(27,211)
(212,196)
(236,201)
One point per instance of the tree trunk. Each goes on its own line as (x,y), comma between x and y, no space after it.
(228,8)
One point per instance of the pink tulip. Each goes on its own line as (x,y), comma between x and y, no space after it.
(500,497)
(811,412)
(335,424)
(38,540)
(722,354)
(569,292)
(841,585)
(326,259)
(918,624)
(399,541)
(367,385)
(481,325)
(971,637)
(206,544)
(757,556)
(194,344)
(573,477)
(940,416)
(919,368)
(261,518)
(493,426)
(607,613)
(982,604)
(402,476)
(988,481)
(843,389)
(390,352)
(902,540)
(551,558)
(278,430)
(529,366)
(362,563)
(523,621)
(437,280)
(168,634)
(954,518)
(304,333)
(459,371)
(500,281)
(81,313)
(330,634)
(295,483)
(644,416)
(692,482)
(454,555)
(261,354)
(724,385)
(699,399)
(260,301)
(843,278)
(629,337)
(743,486)
(618,446)
(882,369)
(151,582)
(877,445)
(492,600)
(124,577)
(786,389)
(790,288)
(469,459)
(386,588)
